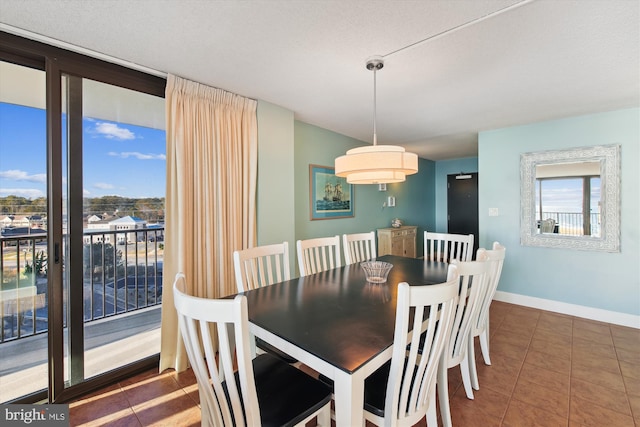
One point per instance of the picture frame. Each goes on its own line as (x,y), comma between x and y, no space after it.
(330,196)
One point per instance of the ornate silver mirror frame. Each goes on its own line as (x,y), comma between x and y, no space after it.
(609,158)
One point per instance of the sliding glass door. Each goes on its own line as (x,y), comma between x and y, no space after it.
(86,172)
(23,231)
(114,210)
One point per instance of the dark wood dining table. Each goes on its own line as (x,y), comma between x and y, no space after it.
(337,323)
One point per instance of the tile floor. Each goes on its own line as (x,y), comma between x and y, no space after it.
(547,370)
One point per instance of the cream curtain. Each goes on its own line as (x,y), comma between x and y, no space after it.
(210,197)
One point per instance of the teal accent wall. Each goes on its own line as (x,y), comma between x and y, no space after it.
(444,168)
(415,198)
(608,281)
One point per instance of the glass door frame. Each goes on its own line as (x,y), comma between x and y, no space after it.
(57,62)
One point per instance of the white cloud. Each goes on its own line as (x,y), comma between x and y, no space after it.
(18,175)
(29,193)
(112,131)
(139,156)
(103,186)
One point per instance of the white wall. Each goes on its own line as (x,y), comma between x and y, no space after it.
(586,281)
(275,194)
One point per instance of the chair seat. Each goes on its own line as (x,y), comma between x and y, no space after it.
(375,390)
(268,348)
(325,379)
(286,394)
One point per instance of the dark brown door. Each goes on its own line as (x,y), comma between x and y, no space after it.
(462,205)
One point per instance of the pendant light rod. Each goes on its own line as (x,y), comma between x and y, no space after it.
(375,107)
(375,63)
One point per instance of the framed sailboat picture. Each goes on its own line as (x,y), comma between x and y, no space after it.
(330,196)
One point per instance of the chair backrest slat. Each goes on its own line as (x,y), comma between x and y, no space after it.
(317,255)
(445,247)
(495,257)
(261,266)
(473,283)
(359,247)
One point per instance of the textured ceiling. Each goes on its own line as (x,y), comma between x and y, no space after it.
(537,61)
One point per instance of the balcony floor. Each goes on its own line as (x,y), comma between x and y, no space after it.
(110,342)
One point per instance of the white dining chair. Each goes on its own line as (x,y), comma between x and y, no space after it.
(317,255)
(547,225)
(403,391)
(263,390)
(480,327)
(261,266)
(473,282)
(358,247)
(445,247)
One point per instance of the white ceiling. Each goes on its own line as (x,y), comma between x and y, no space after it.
(540,60)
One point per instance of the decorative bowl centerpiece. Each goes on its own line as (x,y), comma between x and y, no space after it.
(376,271)
(396,223)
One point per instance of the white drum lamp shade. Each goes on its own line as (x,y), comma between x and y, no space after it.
(376,164)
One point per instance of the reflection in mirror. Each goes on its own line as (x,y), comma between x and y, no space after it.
(570,198)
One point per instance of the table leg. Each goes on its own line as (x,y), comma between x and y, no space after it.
(349,399)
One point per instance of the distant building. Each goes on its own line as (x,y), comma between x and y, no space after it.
(94,218)
(127,223)
(28,221)
(7,221)
(97,224)
(37,221)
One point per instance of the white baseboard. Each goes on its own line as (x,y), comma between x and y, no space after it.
(598,314)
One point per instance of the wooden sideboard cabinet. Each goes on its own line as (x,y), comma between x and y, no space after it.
(397,241)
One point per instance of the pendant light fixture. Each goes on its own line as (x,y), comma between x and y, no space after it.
(376,164)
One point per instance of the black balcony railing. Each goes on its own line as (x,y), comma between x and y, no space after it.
(573,224)
(122,273)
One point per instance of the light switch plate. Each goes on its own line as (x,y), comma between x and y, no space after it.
(493,212)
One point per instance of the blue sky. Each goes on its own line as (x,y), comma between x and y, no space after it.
(565,195)
(119,159)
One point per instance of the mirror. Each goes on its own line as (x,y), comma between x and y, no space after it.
(570,198)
